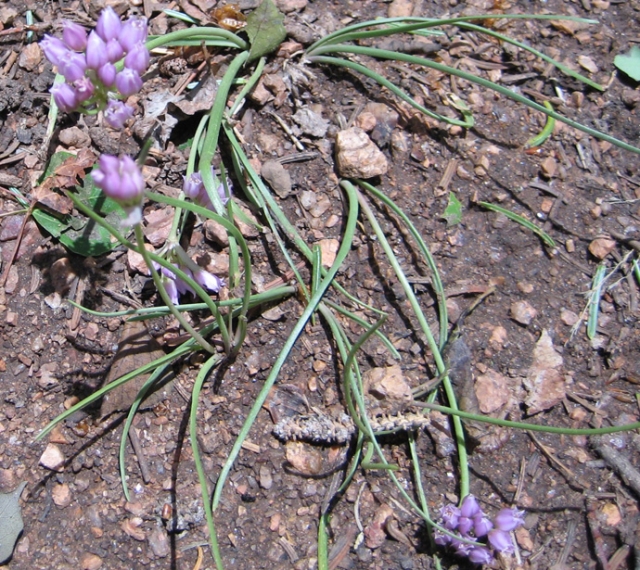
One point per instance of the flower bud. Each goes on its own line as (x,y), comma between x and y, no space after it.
(107,74)
(73,67)
(481,525)
(208,280)
(96,52)
(65,97)
(134,31)
(509,519)
(117,114)
(450,516)
(500,540)
(109,24)
(441,538)
(480,555)
(469,506)
(138,58)
(54,49)
(74,35)
(193,185)
(84,89)
(182,286)
(465,524)
(172,290)
(128,82)
(114,50)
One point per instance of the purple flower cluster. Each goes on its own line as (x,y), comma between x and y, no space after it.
(88,64)
(194,189)
(121,180)
(176,286)
(471,523)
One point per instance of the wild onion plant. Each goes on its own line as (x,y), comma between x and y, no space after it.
(100,69)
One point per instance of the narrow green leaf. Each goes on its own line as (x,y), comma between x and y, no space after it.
(629,63)
(453,211)
(265,29)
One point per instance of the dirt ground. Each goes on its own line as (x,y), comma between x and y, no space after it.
(584,193)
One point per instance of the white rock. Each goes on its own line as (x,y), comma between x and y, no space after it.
(357,156)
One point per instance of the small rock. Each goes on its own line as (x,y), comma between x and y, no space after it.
(568,317)
(549,167)
(357,156)
(47,375)
(400,8)
(277,177)
(288,6)
(609,515)
(328,250)
(366,121)
(601,247)
(159,543)
(30,56)
(525,287)
(61,495)
(311,123)
(158,225)
(387,383)
(52,458)
(522,312)
(136,262)
(492,391)
(304,459)
(132,528)
(91,562)
(544,382)
(498,337)
(523,539)
(374,533)
(587,63)
(74,137)
(266,480)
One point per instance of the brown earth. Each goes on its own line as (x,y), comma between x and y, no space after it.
(579,512)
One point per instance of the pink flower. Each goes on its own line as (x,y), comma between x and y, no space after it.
(120,179)
(74,35)
(117,114)
(134,31)
(109,24)
(65,97)
(128,82)
(509,519)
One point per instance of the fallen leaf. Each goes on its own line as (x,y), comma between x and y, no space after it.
(265,28)
(11,524)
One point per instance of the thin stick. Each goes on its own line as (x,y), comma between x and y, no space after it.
(142,460)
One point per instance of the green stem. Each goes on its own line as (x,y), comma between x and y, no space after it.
(197,34)
(399,56)
(213,130)
(202,477)
(345,247)
(426,329)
